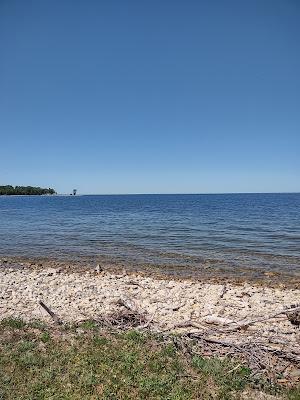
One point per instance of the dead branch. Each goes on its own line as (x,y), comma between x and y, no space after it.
(213,319)
(127,303)
(124,320)
(224,290)
(187,324)
(178,306)
(288,355)
(261,358)
(148,322)
(246,323)
(213,340)
(134,283)
(51,313)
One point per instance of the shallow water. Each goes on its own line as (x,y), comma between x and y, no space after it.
(219,230)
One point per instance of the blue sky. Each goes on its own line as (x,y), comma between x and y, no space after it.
(150,96)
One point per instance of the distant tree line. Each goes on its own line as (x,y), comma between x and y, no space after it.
(24,190)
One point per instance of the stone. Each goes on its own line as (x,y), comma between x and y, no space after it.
(295,373)
(50,271)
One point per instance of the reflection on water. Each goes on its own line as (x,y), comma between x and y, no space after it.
(232,230)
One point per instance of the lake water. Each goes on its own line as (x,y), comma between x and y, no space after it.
(217,231)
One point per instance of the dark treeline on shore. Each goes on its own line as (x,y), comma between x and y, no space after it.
(24,190)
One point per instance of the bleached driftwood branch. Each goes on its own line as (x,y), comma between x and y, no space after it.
(246,323)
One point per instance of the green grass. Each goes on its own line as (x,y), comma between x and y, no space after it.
(37,362)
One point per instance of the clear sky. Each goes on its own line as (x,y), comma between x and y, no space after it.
(160,96)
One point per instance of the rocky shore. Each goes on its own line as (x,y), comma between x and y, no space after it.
(197,310)
(86,294)
(211,310)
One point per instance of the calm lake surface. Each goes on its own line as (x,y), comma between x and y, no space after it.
(222,231)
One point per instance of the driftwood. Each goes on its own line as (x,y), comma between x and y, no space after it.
(289,355)
(212,319)
(263,358)
(98,269)
(127,303)
(256,353)
(187,324)
(223,322)
(224,290)
(51,313)
(129,318)
(294,316)
(134,283)
(246,323)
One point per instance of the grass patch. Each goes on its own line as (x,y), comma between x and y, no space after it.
(45,337)
(14,323)
(230,378)
(37,363)
(89,325)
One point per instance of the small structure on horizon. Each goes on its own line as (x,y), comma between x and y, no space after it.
(74,192)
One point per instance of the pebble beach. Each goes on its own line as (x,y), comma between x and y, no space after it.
(169,304)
